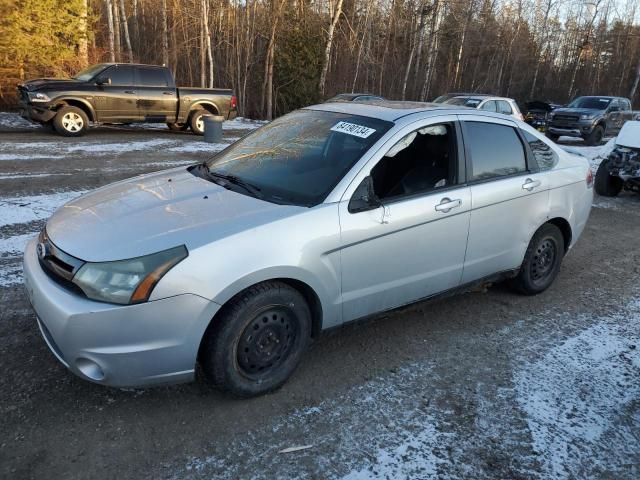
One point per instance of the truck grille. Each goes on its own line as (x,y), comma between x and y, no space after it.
(565,119)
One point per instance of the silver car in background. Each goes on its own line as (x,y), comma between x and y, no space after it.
(326,215)
(488,103)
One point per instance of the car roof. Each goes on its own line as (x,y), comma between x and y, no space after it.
(111,64)
(486,97)
(387,109)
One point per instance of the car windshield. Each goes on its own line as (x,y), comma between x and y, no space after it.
(464,101)
(595,103)
(300,157)
(90,72)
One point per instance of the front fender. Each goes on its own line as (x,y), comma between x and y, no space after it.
(57,102)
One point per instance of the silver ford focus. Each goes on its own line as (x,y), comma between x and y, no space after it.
(329,214)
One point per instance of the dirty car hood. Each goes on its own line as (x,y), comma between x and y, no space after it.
(48,83)
(153,212)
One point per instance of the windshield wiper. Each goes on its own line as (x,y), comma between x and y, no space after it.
(232,179)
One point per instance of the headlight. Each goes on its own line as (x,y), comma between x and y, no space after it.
(38,97)
(586,116)
(127,281)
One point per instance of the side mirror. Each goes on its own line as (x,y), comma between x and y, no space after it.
(103,81)
(364,198)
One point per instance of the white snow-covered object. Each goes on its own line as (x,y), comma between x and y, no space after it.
(629,135)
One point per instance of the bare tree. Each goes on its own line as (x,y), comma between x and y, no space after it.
(125,25)
(112,48)
(337,11)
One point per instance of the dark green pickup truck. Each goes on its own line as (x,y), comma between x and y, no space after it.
(121,93)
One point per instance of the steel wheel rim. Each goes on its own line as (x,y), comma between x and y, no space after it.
(543,260)
(267,341)
(200,123)
(72,122)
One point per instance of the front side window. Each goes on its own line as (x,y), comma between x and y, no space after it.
(300,157)
(120,75)
(544,155)
(90,72)
(152,77)
(496,150)
(423,161)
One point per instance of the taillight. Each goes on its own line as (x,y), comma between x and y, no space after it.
(589,178)
(234,101)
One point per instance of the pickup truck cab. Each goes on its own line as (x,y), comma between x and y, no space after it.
(590,118)
(121,93)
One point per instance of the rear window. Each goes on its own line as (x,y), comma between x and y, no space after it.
(544,155)
(152,77)
(496,150)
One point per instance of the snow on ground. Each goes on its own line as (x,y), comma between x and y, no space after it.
(570,411)
(10,120)
(242,123)
(36,207)
(595,155)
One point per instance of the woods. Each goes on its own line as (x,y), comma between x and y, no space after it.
(279,55)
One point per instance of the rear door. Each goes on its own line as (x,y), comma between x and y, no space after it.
(509,196)
(157,98)
(117,102)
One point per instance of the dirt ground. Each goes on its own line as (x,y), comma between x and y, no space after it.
(482,385)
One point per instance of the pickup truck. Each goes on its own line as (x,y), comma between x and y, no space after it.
(121,93)
(591,118)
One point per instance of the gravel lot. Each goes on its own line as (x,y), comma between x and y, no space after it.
(484,385)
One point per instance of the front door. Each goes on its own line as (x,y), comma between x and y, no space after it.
(117,101)
(413,245)
(509,196)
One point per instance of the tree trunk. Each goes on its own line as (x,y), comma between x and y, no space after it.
(432,48)
(83,43)
(327,50)
(116,24)
(165,35)
(112,48)
(267,83)
(207,39)
(636,81)
(125,24)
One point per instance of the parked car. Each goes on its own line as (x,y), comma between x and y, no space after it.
(590,118)
(121,93)
(447,96)
(503,105)
(538,114)
(355,97)
(326,215)
(622,168)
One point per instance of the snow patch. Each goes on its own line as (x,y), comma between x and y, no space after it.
(29,208)
(242,123)
(13,247)
(13,120)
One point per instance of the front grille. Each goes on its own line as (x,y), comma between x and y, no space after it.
(58,265)
(564,118)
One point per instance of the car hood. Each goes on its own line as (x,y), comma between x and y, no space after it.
(579,111)
(154,212)
(48,83)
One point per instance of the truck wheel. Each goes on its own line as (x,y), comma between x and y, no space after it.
(71,122)
(606,184)
(541,261)
(177,127)
(197,121)
(554,138)
(258,339)
(595,137)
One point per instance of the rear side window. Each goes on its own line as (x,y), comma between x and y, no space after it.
(152,77)
(120,75)
(545,157)
(489,106)
(496,150)
(504,107)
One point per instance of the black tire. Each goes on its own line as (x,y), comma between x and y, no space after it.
(257,341)
(554,138)
(541,261)
(595,137)
(177,127)
(71,122)
(196,122)
(605,184)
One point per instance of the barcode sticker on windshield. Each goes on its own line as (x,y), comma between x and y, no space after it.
(352,129)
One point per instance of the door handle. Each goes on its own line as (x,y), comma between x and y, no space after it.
(130,92)
(167,93)
(530,184)
(446,204)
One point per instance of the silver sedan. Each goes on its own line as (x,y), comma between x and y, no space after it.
(326,215)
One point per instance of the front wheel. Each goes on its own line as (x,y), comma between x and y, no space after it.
(71,122)
(595,137)
(606,184)
(257,341)
(541,261)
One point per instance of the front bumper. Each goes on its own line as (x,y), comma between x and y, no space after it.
(123,346)
(37,113)
(575,130)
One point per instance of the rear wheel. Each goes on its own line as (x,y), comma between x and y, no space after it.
(595,137)
(71,122)
(541,261)
(196,122)
(606,184)
(257,341)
